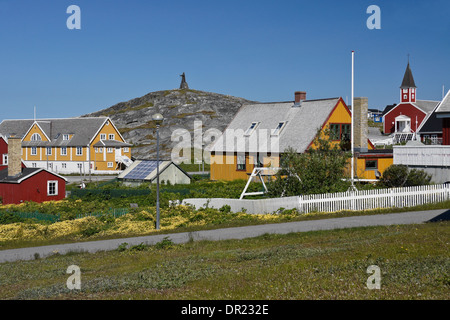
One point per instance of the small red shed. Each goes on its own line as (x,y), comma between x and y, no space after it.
(33,184)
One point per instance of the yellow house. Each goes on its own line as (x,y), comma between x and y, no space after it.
(259,134)
(72,145)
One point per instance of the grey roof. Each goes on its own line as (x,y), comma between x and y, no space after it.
(444,107)
(302,123)
(408,79)
(25,174)
(426,105)
(111,143)
(82,129)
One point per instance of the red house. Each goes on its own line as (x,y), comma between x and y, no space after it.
(18,184)
(443,114)
(405,118)
(3,153)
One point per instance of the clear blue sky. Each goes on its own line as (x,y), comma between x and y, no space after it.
(259,50)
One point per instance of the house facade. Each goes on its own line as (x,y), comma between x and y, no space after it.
(73,145)
(260,133)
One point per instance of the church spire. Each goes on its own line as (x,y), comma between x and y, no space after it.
(408,79)
(408,87)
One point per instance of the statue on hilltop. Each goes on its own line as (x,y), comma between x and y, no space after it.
(183,84)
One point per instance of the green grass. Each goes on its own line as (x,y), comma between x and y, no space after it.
(414,261)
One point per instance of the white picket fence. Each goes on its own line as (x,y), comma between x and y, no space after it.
(373,199)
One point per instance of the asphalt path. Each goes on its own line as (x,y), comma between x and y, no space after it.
(414,217)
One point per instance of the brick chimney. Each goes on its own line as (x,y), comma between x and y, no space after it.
(14,156)
(300,96)
(360,123)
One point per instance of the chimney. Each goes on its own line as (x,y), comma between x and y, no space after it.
(360,124)
(14,157)
(300,96)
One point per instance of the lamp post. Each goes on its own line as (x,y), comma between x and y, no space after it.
(158,119)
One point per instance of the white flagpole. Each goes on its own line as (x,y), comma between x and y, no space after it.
(351,135)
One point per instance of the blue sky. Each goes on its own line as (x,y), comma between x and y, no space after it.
(259,50)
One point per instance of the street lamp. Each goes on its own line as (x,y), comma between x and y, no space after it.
(158,119)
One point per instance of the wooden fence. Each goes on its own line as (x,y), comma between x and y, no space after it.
(373,199)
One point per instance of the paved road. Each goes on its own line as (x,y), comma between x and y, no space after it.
(231,233)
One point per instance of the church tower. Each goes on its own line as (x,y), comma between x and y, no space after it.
(408,88)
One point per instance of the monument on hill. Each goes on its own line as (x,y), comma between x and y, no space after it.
(183,84)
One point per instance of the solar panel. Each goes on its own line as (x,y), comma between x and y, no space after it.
(142,170)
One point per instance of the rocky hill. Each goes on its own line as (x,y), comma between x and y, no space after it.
(180,108)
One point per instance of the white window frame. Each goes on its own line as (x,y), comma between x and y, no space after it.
(102,136)
(36,137)
(55,186)
(279,127)
(5,159)
(65,151)
(79,151)
(126,149)
(111,136)
(66,137)
(252,128)
(48,151)
(64,165)
(109,150)
(33,151)
(110,164)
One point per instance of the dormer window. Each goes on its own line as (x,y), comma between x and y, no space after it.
(251,128)
(65,137)
(102,136)
(36,137)
(279,127)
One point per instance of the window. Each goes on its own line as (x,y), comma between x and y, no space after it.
(340,131)
(34,165)
(103,136)
(36,137)
(126,149)
(405,97)
(100,150)
(64,151)
(371,164)
(251,128)
(240,162)
(52,188)
(109,150)
(79,165)
(111,136)
(65,137)
(5,159)
(64,165)
(96,150)
(48,151)
(278,129)
(33,151)
(110,165)
(79,151)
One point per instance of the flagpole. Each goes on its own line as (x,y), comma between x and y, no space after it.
(352,172)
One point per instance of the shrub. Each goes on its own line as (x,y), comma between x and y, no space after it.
(401,176)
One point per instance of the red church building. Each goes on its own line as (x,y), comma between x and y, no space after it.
(404,119)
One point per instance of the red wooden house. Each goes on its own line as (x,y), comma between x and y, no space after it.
(18,184)
(3,153)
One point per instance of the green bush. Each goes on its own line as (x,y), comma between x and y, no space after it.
(402,176)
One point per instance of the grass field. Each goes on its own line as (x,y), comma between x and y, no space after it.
(414,261)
